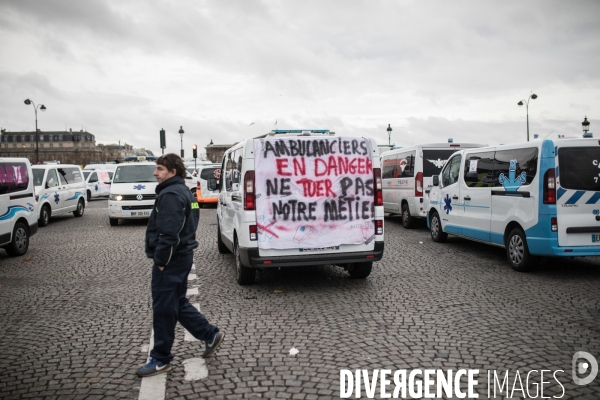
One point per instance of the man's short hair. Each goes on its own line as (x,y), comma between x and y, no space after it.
(172,162)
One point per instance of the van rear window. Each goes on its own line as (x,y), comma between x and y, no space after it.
(208,173)
(579,168)
(434,160)
(13,177)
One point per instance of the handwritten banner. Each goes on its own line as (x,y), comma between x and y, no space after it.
(313,192)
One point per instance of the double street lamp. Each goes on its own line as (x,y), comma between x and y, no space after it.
(35,108)
(526,102)
(586,127)
(389,131)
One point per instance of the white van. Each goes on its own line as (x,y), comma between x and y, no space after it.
(407,175)
(298,199)
(539,198)
(132,192)
(208,173)
(59,189)
(95,182)
(18,217)
(105,166)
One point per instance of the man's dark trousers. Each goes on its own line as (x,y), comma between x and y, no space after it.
(170,305)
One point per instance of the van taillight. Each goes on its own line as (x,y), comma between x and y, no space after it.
(378,187)
(253,232)
(550,187)
(249,190)
(554,224)
(419,184)
(379,227)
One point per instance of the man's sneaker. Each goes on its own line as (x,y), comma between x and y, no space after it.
(213,344)
(153,367)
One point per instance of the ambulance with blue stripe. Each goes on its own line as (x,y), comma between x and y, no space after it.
(539,198)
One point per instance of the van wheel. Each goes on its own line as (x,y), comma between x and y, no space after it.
(89,195)
(437,234)
(80,208)
(113,221)
(360,270)
(221,246)
(244,275)
(517,251)
(20,241)
(44,215)
(407,221)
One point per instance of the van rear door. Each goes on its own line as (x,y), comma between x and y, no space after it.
(578,192)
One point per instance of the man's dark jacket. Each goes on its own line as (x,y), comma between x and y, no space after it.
(171,232)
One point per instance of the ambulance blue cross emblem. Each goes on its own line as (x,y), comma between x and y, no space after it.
(139,187)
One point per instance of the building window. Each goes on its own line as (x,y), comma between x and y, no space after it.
(49,138)
(14,145)
(32,145)
(41,138)
(60,137)
(51,144)
(41,144)
(60,145)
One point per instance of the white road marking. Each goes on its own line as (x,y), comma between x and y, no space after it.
(192,277)
(193,266)
(195,369)
(192,291)
(145,348)
(153,387)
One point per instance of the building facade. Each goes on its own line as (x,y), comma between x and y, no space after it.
(67,147)
(214,152)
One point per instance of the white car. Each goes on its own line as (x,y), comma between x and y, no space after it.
(18,216)
(59,189)
(132,192)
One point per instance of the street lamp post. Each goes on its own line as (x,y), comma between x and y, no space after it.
(37,143)
(526,102)
(181,132)
(586,127)
(389,131)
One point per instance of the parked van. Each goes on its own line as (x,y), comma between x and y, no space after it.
(301,198)
(539,198)
(407,175)
(132,192)
(206,193)
(59,189)
(18,216)
(95,182)
(105,166)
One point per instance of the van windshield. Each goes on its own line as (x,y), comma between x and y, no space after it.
(208,173)
(434,160)
(86,174)
(578,168)
(134,173)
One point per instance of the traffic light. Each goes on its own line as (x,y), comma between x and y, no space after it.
(195,151)
(163,140)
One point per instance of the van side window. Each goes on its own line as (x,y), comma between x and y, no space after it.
(517,160)
(479,170)
(390,166)
(451,171)
(236,170)
(93,178)
(70,175)
(228,171)
(13,177)
(52,178)
(407,165)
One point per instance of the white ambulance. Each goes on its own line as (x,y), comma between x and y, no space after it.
(132,192)
(539,198)
(95,182)
(298,198)
(18,216)
(407,177)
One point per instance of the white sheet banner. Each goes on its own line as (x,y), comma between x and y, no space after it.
(313,192)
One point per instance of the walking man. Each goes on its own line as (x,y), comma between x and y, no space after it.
(170,242)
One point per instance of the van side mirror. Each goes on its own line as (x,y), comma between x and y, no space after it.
(436,180)
(211,183)
(107,182)
(50,183)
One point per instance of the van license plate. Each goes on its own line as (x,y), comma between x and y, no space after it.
(595,238)
(140,213)
(321,248)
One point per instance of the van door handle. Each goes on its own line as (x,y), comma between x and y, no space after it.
(467,198)
(454,197)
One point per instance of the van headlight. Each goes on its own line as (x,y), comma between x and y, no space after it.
(116,197)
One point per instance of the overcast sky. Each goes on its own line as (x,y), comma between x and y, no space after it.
(229,70)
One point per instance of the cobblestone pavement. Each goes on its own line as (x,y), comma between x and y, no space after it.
(75,316)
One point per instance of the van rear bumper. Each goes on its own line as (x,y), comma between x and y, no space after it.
(550,247)
(251,258)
